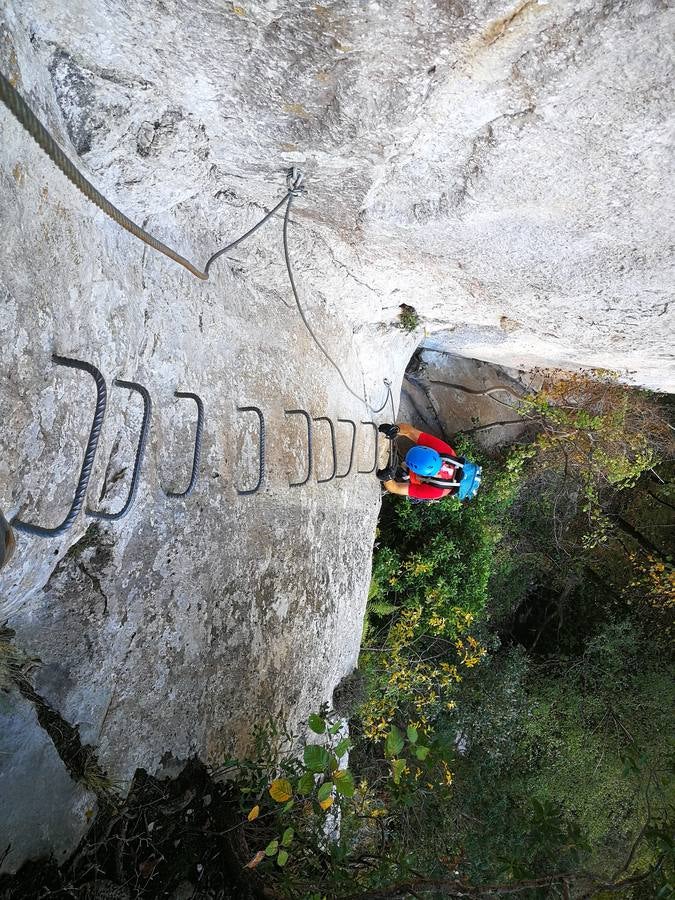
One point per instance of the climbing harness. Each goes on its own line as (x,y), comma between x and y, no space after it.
(294,183)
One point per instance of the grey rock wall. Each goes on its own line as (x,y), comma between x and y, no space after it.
(503,167)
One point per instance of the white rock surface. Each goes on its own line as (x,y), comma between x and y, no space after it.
(504,167)
(36,789)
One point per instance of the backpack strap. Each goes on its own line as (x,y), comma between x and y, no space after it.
(456,461)
(444,483)
(439,482)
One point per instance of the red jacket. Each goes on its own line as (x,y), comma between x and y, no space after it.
(419,491)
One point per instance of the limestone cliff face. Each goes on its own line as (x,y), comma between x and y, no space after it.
(503,167)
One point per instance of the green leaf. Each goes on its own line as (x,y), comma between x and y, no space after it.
(421,752)
(397,767)
(325,791)
(287,837)
(335,727)
(288,806)
(272,848)
(344,783)
(316,758)
(316,723)
(306,784)
(282,858)
(342,747)
(394,743)
(412,734)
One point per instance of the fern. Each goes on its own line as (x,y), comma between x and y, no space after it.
(382,608)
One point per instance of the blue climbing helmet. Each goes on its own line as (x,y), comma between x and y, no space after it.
(423,461)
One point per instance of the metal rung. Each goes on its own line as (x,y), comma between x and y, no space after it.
(89,453)
(261,449)
(188,395)
(370,471)
(351,452)
(308,419)
(334,449)
(140,451)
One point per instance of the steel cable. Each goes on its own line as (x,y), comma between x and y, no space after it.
(313,335)
(27,118)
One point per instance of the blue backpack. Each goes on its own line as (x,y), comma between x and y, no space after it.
(469,478)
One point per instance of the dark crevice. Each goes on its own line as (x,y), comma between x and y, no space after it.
(96,583)
(180,837)
(79,759)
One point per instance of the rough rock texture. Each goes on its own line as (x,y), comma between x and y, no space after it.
(504,167)
(444,394)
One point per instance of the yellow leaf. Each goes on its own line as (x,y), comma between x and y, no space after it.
(327,803)
(239,10)
(257,859)
(281,790)
(255,812)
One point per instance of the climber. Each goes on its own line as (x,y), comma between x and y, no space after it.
(429,465)
(7,542)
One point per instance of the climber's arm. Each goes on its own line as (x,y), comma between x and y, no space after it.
(407,430)
(396,487)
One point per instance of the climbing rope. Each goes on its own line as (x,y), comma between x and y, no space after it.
(27,118)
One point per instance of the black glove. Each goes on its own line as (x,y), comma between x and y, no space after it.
(385,474)
(389,431)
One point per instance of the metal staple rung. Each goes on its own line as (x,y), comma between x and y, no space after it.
(351,452)
(89,453)
(140,451)
(188,395)
(308,419)
(261,450)
(333,447)
(370,471)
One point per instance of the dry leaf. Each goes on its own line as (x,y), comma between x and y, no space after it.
(255,812)
(257,859)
